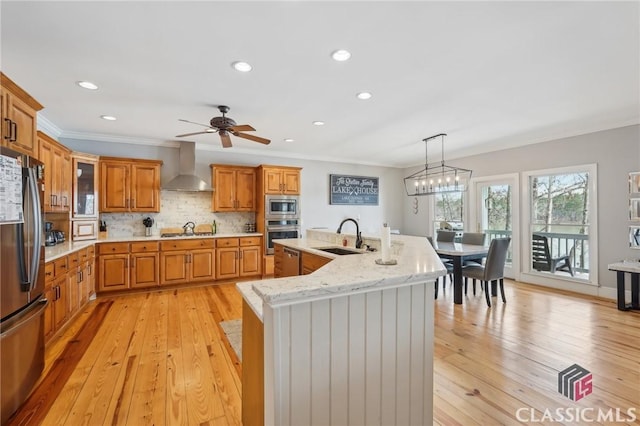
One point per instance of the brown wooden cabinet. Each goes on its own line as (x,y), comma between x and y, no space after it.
(18,113)
(57,174)
(113,267)
(280,180)
(238,257)
(56,291)
(183,261)
(234,188)
(129,185)
(145,264)
(84,191)
(311,262)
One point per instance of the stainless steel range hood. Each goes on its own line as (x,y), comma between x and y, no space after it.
(187,180)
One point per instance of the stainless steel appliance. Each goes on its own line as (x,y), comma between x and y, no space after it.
(49,235)
(290,263)
(280,229)
(282,207)
(22,279)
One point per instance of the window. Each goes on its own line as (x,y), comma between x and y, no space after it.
(448,207)
(561,219)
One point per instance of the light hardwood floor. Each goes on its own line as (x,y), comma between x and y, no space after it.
(161,358)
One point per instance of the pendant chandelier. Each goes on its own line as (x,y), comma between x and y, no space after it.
(437,179)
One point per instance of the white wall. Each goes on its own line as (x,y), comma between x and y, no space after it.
(316,210)
(616,153)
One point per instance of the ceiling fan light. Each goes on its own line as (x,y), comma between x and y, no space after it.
(364,95)
(87,85)
(341,55)
(241,66)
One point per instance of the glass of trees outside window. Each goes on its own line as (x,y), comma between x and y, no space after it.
(448,207)
(559,210)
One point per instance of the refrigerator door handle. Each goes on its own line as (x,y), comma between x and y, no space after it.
(36,310)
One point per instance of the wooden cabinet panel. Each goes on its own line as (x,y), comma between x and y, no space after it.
(227,263)
(129,185)
(113,248)
(60,302)
(227,242)
(84,189)
(280,180)
(250,261)
(84,229)
(114,187)
(145,188)
(202,265)
(57,174)
(114,272)
(49,321)
(173,267)
(250,241)
(18,114)
(146,246)
(234,188)
(145,268)
(311,262)
(73,283)
(186,244)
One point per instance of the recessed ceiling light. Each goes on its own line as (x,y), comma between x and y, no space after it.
(364,95)
(289,140)
(87,85)
(108,117)
(341,55)
(242,66)
(318,123)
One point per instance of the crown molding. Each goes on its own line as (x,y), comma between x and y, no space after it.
(45,125)
(129,140)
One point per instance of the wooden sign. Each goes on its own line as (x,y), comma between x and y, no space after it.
(360,190)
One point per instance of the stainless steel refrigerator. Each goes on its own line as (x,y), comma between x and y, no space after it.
(22,300)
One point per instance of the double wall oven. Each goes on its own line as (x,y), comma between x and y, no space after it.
(282,219)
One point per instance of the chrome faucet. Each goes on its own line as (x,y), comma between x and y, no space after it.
(358,234)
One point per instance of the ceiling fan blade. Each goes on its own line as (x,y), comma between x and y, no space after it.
(242,128)
(191,134)
(252,138)
(226,140)
(193,122)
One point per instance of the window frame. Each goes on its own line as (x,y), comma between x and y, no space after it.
(552,280)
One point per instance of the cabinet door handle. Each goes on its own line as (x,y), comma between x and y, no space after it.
(7,134)
(54,200)
(133,203)
(66,202)
(14,132)
(126,203)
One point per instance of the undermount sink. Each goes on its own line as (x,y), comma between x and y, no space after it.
(338,250)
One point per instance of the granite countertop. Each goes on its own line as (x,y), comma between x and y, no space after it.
(59,250)
(632,266)
(416,261)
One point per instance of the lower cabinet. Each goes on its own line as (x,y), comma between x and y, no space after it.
(145,265)
(183,261)
(311,262)
(128,265)
(238,257)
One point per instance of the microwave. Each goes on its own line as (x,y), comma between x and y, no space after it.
(282,207)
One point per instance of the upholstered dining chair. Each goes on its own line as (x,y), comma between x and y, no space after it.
(477,239)
(445,236)
(493,269)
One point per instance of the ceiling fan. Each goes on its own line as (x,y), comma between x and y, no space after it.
(226,126)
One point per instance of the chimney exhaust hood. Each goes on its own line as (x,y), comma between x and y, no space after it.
(187,180)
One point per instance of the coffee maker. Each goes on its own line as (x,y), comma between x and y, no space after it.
(50,235)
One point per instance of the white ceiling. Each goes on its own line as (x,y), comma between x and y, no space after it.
(489,74)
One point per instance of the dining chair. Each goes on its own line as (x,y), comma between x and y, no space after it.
(445,236)
(475,238)
(493,269)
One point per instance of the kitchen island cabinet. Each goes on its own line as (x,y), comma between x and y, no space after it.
(349,343)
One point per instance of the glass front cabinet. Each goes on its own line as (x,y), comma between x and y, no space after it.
(84,214)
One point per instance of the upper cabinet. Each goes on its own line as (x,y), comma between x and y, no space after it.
(281,180)
(233,188)
(129,185)
(18,114)
(84,174)
(57,174)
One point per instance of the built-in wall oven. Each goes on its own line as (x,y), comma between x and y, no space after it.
(280,229)
(282,219)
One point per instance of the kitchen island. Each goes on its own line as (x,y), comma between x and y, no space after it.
(351,343)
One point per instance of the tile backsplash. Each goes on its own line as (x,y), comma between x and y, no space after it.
(176,209)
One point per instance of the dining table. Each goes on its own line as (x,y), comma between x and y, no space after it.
(459,253)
